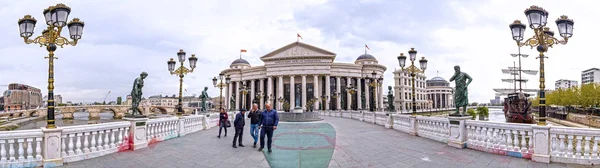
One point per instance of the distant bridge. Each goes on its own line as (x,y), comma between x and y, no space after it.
(95,110)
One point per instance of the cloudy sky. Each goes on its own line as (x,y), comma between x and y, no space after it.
(123,38)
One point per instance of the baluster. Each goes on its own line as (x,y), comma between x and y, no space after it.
(502,136)
(570,146)
(29,149)
(11,150)
(78,144)
(93,142)
(554,145)
(587,146)
(508,136)
(120,137)
(497,139)
(477,135)
(112,138)
(523,143)
(595,150)
(515,134)
(162,131)
(63,146)
(86,148)
(563,146)
(20,142)
(71,145)
(578,150)
(38,148)
(469,135)
(530,142)
(106,142)
(2,151)
(100,140)
(490,138)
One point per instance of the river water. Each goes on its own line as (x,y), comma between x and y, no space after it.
(79,118)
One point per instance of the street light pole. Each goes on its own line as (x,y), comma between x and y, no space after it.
(181,72)
(56,19)
(221,86)
(542,39)
(413,70)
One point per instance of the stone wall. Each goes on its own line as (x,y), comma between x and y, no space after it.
(584,119)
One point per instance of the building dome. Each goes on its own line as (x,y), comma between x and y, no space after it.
(365,56)
(240,61)
(437,81)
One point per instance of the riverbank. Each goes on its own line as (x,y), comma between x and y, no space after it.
(568,123)
(15,124)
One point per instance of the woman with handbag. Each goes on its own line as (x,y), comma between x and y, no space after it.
(223,122)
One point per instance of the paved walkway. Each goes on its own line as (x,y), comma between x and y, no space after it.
(358,144)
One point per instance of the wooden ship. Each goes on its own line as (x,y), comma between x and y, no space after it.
(517,107)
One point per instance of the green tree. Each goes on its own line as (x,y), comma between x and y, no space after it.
(119,100)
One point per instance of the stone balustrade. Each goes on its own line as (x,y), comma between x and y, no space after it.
(538,143)
(53,147)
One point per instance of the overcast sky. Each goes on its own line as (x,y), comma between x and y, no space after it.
(123,38)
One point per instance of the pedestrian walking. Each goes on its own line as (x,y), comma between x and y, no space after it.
(239,123)
(268,124)
(223,122)
(255,116)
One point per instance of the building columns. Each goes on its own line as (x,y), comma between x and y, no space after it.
(292,93)
(228,96)
(304,92)
(279,93)
(237,95)
(381,95)
(327,91)
(252,93)
(270,90)
(262,90)
(338,104)
(359,94)
(348,95)
(316,91)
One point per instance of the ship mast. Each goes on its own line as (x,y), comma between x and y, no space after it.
(520,70)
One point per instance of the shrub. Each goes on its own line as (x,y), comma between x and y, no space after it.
(471,112)
(483,111)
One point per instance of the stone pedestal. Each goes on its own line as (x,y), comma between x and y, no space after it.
(389,122)
(458,131)
(298,110)
(413,125)
(52,146)
(137,133)
(541,144)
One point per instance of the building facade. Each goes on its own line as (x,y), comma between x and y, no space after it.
(299,73)
(20,97)
(590,75)
(160,100)
(403,90)
(565,84)
(440,93)
(57,100)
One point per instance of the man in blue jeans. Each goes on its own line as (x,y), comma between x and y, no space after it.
(254,116)
(268,124)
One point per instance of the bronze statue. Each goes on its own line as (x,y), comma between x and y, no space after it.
(136,93)
(231,103)
(204,97)
(363,101)
(461,96)
(390,96)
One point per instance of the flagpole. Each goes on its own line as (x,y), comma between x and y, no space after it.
(365,49)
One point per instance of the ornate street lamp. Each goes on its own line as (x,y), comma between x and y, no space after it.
(542,39)
(181,72)
(221,85)
(413,72)
(374,82)
(244,91)
(56,19)
(352,90)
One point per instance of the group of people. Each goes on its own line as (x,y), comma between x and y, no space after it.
(266,121)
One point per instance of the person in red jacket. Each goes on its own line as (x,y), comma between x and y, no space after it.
(223,118)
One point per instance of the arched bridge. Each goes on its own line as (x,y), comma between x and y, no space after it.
(95,110)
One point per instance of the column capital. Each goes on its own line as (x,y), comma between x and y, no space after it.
(303,75)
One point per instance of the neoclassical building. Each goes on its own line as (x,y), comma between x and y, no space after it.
(297,73)
(440,93)
(403,90)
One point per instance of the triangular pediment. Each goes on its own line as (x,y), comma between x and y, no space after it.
(297,50)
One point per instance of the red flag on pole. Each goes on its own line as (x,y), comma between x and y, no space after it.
(242,50)
(299,35)
(366,46)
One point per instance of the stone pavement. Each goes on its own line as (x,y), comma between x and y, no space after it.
(358,144)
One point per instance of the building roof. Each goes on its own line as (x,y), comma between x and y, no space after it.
(366,56)
(437,81)
(240,61)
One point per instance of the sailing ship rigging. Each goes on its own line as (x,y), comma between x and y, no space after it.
(516,104)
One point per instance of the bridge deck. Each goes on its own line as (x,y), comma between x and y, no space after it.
(358,144)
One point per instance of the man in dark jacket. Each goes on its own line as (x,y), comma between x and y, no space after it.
(255,116)
(239,123)
(268,123)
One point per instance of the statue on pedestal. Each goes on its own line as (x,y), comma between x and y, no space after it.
(204,96)
(136,93)
(390,96)
(231,103)
(461,96)
(363,101)
(297,97)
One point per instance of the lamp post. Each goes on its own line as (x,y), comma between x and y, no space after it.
(323,99)
(181,72)
(413,72)
(243,91)
(56,19)
(352,90)
(374,83)
(258,96)
(542,39)
(221,86)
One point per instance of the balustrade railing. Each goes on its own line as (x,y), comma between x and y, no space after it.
(161,129)
(89,141)
(500,138)
(21,148)
(380,118)
(575,145)
(402,122)
(192,123)
(434,128)
(368,116)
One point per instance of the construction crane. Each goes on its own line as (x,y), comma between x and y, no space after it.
(106,97)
